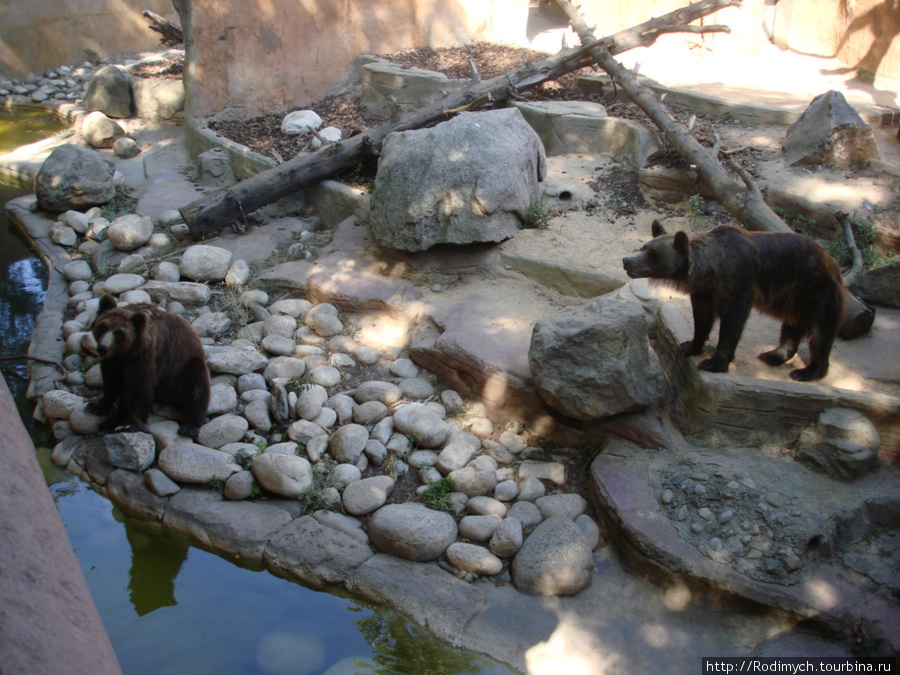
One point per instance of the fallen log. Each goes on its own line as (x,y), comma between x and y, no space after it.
(171,33)
(745,202)
(741,199)
(211,213)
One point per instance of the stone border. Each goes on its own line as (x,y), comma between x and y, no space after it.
(715,409)
(621,485)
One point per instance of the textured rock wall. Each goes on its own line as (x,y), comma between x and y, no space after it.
(36,36)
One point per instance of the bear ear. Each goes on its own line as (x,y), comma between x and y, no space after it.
(657,229)
(682,243)
(107,302)
(139,319)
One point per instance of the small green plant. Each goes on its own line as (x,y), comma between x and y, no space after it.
(121,204)
(233,307)
(297,385)
(538,454)
(696,216)
(218,485)
(314,498)
(798,223)
(91,55)
(437,496)
(538,215)
(864,236)
(244,459)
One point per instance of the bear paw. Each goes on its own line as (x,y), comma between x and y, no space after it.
(96,408)
(772,358)
(190,432)
(808,374)
(687,349)
(713,365)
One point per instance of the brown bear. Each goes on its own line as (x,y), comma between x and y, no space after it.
(148,356)
(727,271)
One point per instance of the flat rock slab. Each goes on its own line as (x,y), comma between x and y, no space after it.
(630,481)
(753,402)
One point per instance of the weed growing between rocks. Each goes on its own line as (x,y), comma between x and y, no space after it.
(437,496)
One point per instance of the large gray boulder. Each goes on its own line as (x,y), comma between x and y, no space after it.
(109,91)
(880,286)
(470,179)
(830,132)
(596,361)
(554,560)
(73,177)
(157,99)
(412,531)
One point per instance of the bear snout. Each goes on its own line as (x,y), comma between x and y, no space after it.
(629,265)
(102,349)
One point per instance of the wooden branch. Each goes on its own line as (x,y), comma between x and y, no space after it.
(211,213)
(747,206)
(857,266)
(171,32)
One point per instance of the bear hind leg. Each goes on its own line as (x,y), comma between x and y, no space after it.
(821,341)
(791,335)
(193,398)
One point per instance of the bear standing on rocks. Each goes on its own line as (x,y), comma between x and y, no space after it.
(148,356)
(727,271)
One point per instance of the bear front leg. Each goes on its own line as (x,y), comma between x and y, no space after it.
(112,385)
(731,326)
(137,400)
(704,317)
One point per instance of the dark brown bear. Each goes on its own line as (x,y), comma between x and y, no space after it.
(727,271)
(149,356)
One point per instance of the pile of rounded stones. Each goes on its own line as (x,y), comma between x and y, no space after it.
(64,84)
(301,410)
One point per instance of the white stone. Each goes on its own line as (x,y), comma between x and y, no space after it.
(202,262)
(367,495)
(285,475)
(474,559)
(300,122)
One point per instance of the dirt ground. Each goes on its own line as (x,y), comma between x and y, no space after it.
(604,215)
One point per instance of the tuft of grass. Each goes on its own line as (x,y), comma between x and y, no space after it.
(314,498)
(437,496)
(696,214)
(538,215)
(234,308)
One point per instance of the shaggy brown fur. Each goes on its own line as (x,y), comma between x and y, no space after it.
(727,271)
(149,356)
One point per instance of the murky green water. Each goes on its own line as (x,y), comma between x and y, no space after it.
(26,125)
(170,607)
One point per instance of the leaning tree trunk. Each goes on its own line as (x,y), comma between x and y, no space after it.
(745,202)
(211,213)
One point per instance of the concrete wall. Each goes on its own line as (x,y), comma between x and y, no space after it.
(48,620)
(287,53)
(861,33)
(37,35)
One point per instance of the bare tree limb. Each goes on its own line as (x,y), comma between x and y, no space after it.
(171,32)
(747,206)
(857,267)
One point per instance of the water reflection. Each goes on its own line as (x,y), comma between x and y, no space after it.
(155,563)
(173,608)
(23,279)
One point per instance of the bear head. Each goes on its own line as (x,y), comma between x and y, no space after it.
(666,256)
(117,330)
